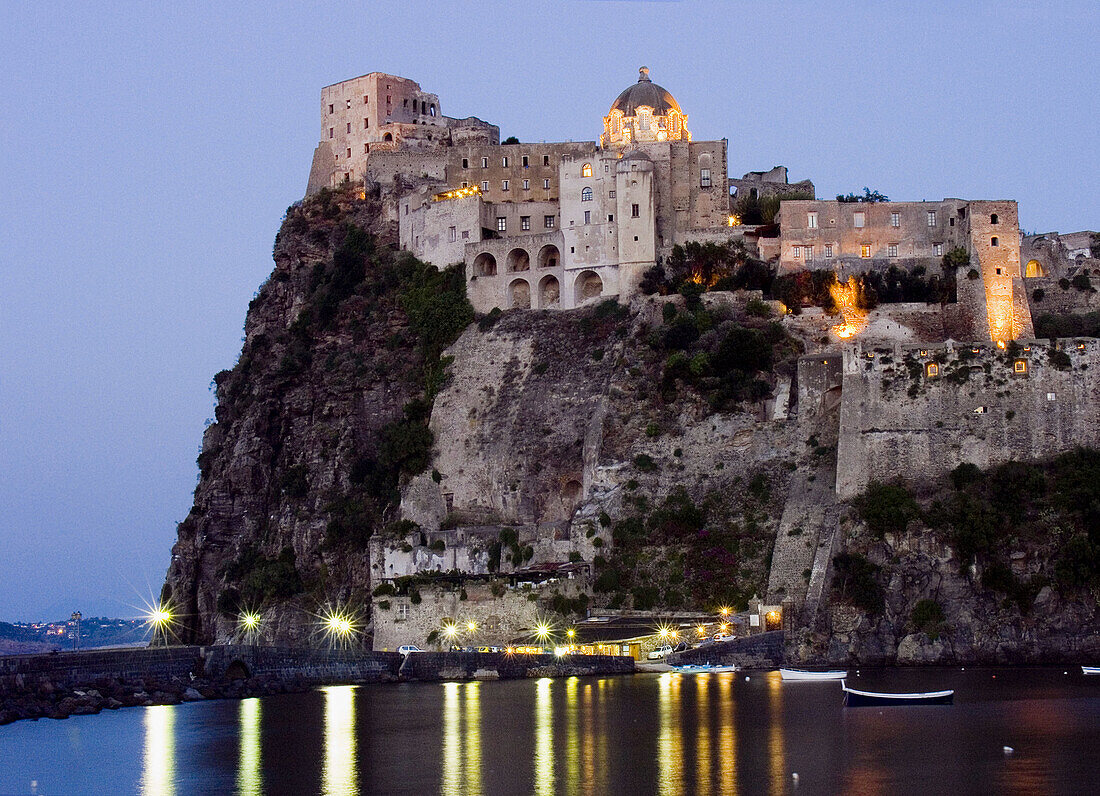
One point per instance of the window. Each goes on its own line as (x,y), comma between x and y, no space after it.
(389,98)
(998,272)
(828,251)
(349,151)
(892,250)
(548,222)
(504,162)
(402,611)
(349,127)
(465,234)
(465,184)
(858,220)
(546,160)
(587,216)
(546,184)
(504,185)
(1019,366)
(994,241)
(366,148)
(895,220)
(994,220)
(865,250)
(704,178)
(931,218)
(366,100)
(366,122)
(979,410)
(635,211)
(524,162)
(610,194)
(502,224)
(933,370)
(330,108)
(586,195)
(526,185)
(610,217)
(937,249)
(465,163)
(1050,396)
(452,234)
(485,163)
(484,186)
(811,220)
(808,251)
(586,170)
(796,252)
(331,130)
(525,222)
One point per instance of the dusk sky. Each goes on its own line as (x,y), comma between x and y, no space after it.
(150,150)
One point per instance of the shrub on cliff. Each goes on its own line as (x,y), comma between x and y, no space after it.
(855,581)
(886,508)
(927,617)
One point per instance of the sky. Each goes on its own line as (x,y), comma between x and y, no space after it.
(148,152)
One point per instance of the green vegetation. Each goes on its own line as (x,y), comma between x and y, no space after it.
(1083,325)
(263,581)
(867,196)
(886,508)
(927,617)
(855,581)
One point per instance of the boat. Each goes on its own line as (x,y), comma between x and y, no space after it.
(855,698)
(1090,670)
(704,668)
(803,674)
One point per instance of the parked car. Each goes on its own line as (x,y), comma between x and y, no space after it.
(683,645)
(660,652)
(405,649)
(724,637)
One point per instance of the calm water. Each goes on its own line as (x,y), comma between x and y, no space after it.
(668,734)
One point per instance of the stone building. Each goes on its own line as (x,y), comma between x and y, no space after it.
(856,237)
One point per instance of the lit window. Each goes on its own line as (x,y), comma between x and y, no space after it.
(587,216)
(610,194)
(931,218)
(937,249)
(452,234)
(502,224)
(858,220)
(828,251)
(892,250)
(808,251)
(546,184)
(865,250)
(504,185)
(525,222)
(635,211)
(895,219)
(994,241)
(932,370)
(586,195)
(1050,396)
(484,186)
(526,185)
(586,170)
(704,178)
(811,220)
(1019,366)
(485,163)
(796,252)
(548,222)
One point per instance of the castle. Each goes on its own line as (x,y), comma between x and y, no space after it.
(557,225)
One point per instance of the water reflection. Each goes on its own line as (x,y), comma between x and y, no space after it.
(702,737)
(250,779)
(340,774)
(572,747)
(473,737)
(159,775)
(669,741)
(727,740)
(777,755)
(452,741)
(461,769)
(544,738)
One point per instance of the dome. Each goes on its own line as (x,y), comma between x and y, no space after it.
(645,92)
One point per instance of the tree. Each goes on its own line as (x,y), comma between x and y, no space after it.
(867,196)
(509,140)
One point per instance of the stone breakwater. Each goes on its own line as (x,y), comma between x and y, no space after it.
(58,685)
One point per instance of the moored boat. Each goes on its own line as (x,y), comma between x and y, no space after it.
(704,668)
(1090,670)
(803,674)
(855,698)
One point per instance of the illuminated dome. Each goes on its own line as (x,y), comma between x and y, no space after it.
(643,113)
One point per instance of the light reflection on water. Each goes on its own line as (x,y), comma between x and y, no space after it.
(250,778)
(544,738)
(340,775)
(776,746)
(159,774)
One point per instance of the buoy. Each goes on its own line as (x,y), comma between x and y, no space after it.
(1008,750)
(746,678)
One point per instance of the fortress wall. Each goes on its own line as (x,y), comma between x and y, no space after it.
(387,167)
(1059,301)
(975,409)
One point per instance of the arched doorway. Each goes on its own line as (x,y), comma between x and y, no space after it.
(485,264)
(388,137)
(519,293)
(1035,268)
(518,260)
(549,292)
(549,256)
(588,286)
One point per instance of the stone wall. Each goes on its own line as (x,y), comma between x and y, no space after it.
(917,413)
(1061,301)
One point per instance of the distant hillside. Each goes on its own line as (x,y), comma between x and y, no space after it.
(24,638)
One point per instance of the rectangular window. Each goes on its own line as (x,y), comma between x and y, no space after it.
(524,162)
(808,251)
(331,130)
(610,217)
(548,222)
(452,234)
(349,151)
(892,250)
(937,249)
(485,163)
(931,218)
(811,220)
(366,122)
(858,220)
(502,224)
(349,127)
(546,184)
(330,109)
(484,186)
(366,148)
(546,160)
(587,216)
(865,250)
(526,185)
(366,100)
(465,184)
(465,234)
(796,252)
(504,162)
(635,211)
(828,251)
(525,222)
(704,178)
(348,104)
(504,185)
(895,220)
(610,194)
(465,163)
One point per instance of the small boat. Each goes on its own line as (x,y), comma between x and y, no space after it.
(803,674)
(1090,670)
(854,698)
(704,668)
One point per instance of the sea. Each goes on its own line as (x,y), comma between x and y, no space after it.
(1013,731)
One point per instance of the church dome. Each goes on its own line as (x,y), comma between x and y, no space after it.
(645,92)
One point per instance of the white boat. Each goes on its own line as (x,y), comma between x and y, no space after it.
(704,668)
(854,698)
(802,674)
(1090,670)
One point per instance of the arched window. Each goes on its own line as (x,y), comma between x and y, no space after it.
(994,242)
(586,170)
(586,194)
